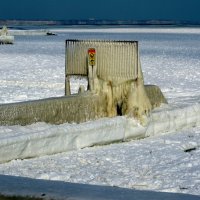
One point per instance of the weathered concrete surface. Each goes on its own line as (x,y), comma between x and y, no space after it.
(10,185)
(75,108)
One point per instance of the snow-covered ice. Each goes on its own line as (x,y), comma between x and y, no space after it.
(156,163)
(33,68)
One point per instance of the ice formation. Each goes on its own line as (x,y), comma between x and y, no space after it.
(113,69)
(5,38)
(116,87)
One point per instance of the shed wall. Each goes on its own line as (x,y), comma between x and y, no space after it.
(116,60)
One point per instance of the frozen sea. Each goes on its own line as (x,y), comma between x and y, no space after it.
(34,68)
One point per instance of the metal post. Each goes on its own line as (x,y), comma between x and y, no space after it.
(67,86)
(91,68)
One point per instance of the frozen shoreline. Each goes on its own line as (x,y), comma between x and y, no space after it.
(68,137)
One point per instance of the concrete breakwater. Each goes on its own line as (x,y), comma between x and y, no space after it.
(74,108)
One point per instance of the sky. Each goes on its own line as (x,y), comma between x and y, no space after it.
(100,9)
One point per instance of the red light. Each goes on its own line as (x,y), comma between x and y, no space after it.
(91,51)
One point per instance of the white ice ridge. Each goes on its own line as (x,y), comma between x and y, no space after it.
(62,138)
(28,32)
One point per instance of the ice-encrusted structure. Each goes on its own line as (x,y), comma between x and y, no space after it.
(5,38)
(74,108)
(114,73)
(115,87)
(77,108)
